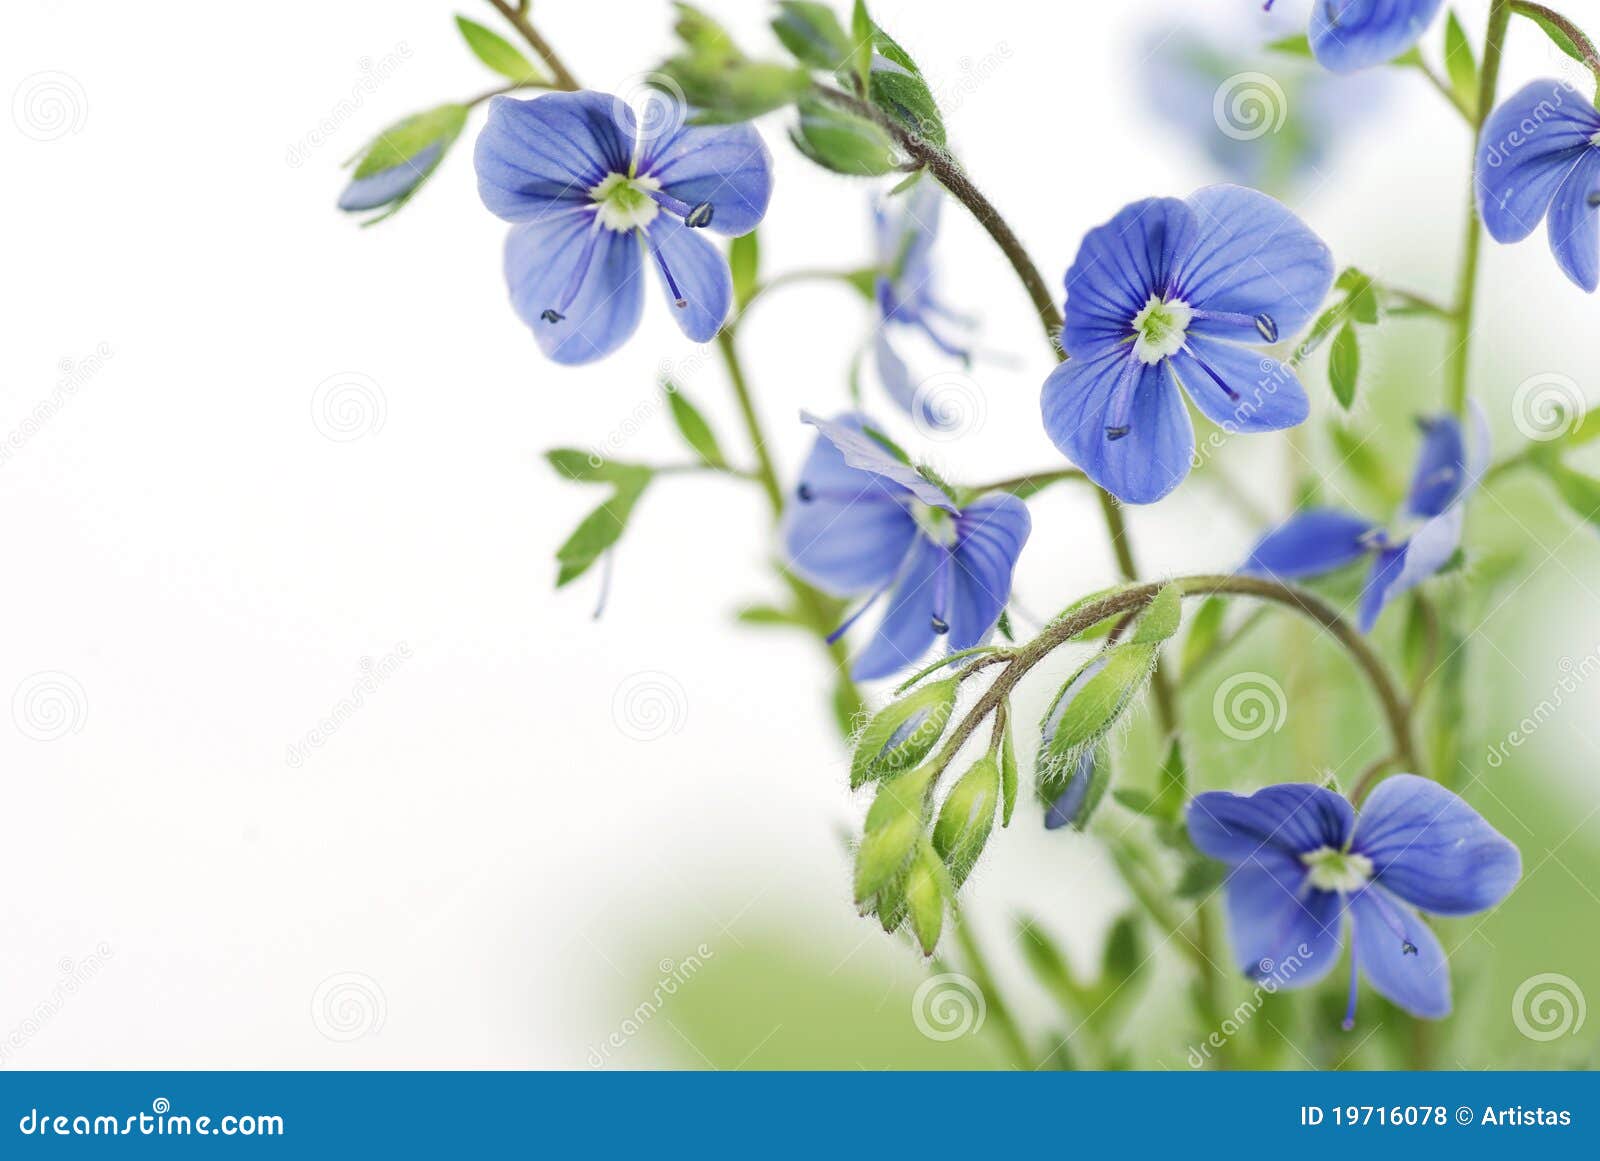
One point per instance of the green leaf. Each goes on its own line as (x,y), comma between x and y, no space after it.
(693,427)
(766,616)
(703,36)
(844,143)
(403,140)
(586,467)
(744,261)
(1124,953)
(1414,641)
(601,528)
(1459,63)
(1049,964)
(1199,878)
(1204,629)
(812,33)
(1008,771)
(862,31)
(913,723)
(1299,45)
(737,91)
(1580,492)
(907,98)
(1344,365)
(894,823)
(926,884)
(498,53)
(1360,296)
(1173,789)
(1160,618)
(967,817)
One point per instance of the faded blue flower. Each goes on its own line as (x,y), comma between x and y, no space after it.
(589,198)
(1347,35)
(1320,540)
(1172,293)
(1539,158)
(1302,860)
(867,522)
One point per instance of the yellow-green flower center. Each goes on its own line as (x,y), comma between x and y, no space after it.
(625,202)
(935,523)
(1331,869)
(1159,329)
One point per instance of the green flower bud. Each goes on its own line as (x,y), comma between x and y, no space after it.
(926,887)
(903,733)
(894,824)
(967,817)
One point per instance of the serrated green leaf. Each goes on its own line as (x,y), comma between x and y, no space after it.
(693,427)
(812,32)
(1344,366)
(967,817)
(498,53)
(601,529)
(1460,65)
(744,262)
(844,143)
(1205,626)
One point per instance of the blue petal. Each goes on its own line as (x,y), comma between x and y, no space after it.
(1430,548)
(1291,819)
(990,534)
(1380,587)
(906,630)
(1530,145)
(1083,397)
(1433,850)
(1418,980)
(1310,543)
(1441,470)
(385,186)
(1266,394)
(861,451)
(1249,257)
(1347,35)
(904,230)
(1574,224)
(541,156)
(896,379)
(1064,810)
(1119,266)
(725,165)
(1279,929)
(699,273)
(541,257)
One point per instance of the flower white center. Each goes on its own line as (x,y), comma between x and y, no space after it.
(935,523)
(625,202)
(1334,870)
(1158,329)
(1595,140)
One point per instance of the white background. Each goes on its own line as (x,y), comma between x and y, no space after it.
(482,842)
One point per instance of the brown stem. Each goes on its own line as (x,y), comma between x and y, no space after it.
(517,15)
(1539,13)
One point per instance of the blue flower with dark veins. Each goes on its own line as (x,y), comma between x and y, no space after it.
(866,522)
(1302,860)
(1539,158)
(1347,35)
(1320,540)
(589,197)
(904,230)
(1175,293)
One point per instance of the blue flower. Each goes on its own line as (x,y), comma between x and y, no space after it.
(904,233)
(1302,860)
(589,197)
(1320,540)
(1347,35)
(868,522)
(1540,157)
(1167,293)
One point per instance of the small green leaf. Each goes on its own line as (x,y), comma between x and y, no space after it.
(1199,878)
(844,143)
(1344,366)
(862,30)
(587,467)
(767,616)
(498,53)
(1299,45)
(1160,618)
(1008,771)
(1360,296)
(1580,492)
(703,36)
(903,733)
(602,528)
(744,261)
(693,427)
(1124,953)
(1459,63)
(966,818)
(812,33)
(1204,629)
(1173,789)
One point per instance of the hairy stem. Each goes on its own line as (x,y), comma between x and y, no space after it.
(517,16)
(1540,14)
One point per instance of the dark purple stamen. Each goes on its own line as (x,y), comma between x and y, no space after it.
(1349,1021)
(699,217)
(1594,200)
(805,493)
(1267,327)
(1115,433)
(1122,405)
(1215,378)
(1393,922)
(695,217)
(672,283)
(551,316)
(941,593)
(579,273)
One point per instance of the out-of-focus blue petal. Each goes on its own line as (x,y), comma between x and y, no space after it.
(1386,569)
(1266,394)
(1251,258)
(904,230)
(1574,224)
(1530,145)
(1441,471)
(383,187)
(906,630)
(1433,850)
(1382,929)
(990,534)
(700,274)
(896,378)
(1064,810)
(861,451)
(1347,35)
(1083,398)
(1279,929)
(538,157)
(541,257)
(727,166)
(1294,818)
(1310,543)
(1119,266)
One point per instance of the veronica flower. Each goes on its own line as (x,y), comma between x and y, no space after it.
(1320,540)
(867,522)
(1347,35)
(1302,860)
(904,231)
(1172,293)
(589,198)
(1540,158)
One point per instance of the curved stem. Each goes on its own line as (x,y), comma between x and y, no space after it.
(1031,482)
(517,15)
(1539,14)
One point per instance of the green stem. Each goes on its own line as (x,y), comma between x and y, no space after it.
(765,471)
(517,16)
(1539,14)
(999,1014)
